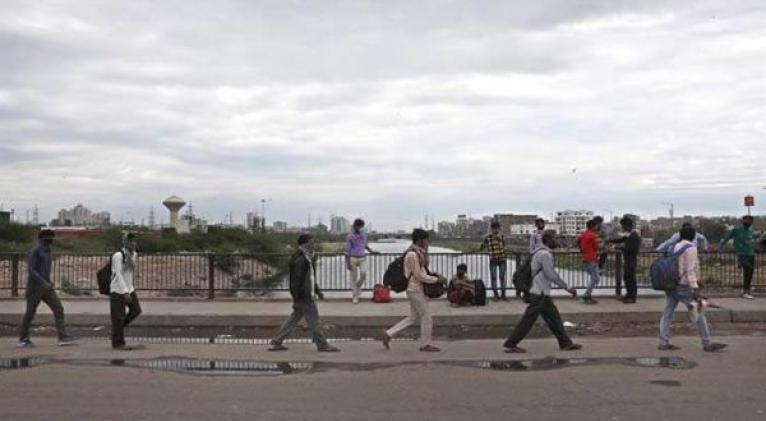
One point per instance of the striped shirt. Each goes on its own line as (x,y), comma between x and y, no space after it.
(495,245)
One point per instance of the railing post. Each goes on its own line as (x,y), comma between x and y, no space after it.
(15,275)
(618,273)
(210,276)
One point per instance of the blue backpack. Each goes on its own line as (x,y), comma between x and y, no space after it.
(663,272)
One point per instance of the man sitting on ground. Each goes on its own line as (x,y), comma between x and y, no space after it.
(462,289)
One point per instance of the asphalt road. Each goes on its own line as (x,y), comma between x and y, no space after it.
(605,381)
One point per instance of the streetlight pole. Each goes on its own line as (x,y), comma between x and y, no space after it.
(672,224)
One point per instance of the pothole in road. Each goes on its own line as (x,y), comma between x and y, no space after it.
(268,369)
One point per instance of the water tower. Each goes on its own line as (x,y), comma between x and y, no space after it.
(174,205)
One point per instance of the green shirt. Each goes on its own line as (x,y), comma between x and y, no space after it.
(743,241)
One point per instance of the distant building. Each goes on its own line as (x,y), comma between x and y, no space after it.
(80,216)
(478,228)
(462,226)
(253,221)
(572,222)
(446,229)
(339,225)
(511,224)
(279,226)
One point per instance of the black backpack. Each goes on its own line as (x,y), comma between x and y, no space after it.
(104,276)
(480,298)
(394,277)
(522,278)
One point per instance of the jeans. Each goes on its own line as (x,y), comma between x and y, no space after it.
(120,320)
(748,267)
(591,268)
(539,305)
(497,269)
(418,313)
(358,273)
(301,309)
(34,295)
(682,294)
(629,274)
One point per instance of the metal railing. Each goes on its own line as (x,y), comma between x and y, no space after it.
(205,274)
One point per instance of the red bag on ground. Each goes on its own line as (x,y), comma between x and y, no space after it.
(381,294)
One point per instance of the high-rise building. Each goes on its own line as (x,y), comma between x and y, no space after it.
(572,222)
(446,229)
(339,225)
(279,226)
(80,216)
(512,224)
(254,221)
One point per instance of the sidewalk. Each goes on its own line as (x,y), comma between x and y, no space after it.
(247,314)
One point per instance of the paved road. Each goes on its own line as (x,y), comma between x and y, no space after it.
(365,382)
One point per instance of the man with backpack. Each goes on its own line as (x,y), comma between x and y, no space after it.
(122,293)
(494,243)
(415,271)
(589,243)
(631,246)
(687,291)
(305,291)
(40,288)
(539,300)
(743,247)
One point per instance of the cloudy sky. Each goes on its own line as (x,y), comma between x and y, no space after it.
(388,110)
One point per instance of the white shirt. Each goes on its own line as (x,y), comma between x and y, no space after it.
(122,276)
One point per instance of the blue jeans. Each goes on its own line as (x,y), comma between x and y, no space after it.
(591,268)
(682,294)
(497,269)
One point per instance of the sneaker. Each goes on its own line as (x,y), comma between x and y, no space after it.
(277,346)
(515,350)
(328,348)
(67,340)
(748,296)
(429,348)
(628,300)
(25,343)
(355,300)
(668,347)
(386,339)
(588,300)
(571,347)
(714,347)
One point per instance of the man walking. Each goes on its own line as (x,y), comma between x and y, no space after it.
(589,243)
(415,264)
(305,291)
(494,243)
(536,238)
(631,245)
(699,240)
(743,247)
(540,301)
(356,260)
(687,292)
(40,288)
(122,293)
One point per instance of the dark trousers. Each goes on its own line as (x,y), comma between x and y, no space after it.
(497,269)
(748,267)
(539,305)
(120,320)
(47,295)
(629,274)
(308,310)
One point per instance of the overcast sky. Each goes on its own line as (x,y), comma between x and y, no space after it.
(386,110)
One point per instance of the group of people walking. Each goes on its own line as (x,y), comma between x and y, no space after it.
(305,291)
(122,293)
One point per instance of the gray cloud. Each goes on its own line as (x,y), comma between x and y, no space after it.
(389,110)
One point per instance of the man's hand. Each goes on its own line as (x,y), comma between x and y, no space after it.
(320,295)
(128,298)
(572,291)
(442,279)
(696,293)
(47,286)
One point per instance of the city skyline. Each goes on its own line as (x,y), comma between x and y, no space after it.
(388,111)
